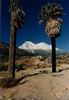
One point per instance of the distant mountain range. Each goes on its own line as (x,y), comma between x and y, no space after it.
(40,48)
(4,52)
(27,49)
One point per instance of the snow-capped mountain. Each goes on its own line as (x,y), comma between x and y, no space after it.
(41,47)
(27,45)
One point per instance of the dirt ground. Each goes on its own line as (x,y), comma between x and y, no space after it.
(40,84)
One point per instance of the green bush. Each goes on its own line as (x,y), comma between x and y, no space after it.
(3,67)
(19,67)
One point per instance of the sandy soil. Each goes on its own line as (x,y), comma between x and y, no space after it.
(40,84)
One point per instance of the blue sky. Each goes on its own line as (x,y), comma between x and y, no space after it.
(31,30)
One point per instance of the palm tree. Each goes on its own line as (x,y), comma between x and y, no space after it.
(17,20)
(50,14)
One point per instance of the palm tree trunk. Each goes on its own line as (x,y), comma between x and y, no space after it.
(12,51)
(53,42)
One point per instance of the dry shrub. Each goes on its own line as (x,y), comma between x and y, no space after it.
(8,82)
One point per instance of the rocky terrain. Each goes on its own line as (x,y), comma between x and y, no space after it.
(39,84)
(43,62)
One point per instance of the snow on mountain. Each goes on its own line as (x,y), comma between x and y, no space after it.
(43,46)
(40,48)
(27,45)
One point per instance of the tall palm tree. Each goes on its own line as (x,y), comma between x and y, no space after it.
(49,15)
(17,20)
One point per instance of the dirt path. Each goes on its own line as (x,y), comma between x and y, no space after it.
(41,86)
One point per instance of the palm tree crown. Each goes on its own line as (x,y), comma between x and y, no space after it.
(17,14)
(50,14)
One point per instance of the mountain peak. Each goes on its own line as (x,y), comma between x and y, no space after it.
(43,45)
(28,45)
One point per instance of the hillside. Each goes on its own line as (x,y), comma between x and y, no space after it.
(20,53)
(4,52)
(25,57)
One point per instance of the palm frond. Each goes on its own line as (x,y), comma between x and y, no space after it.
(40,19)
(17,14)
(50,11)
